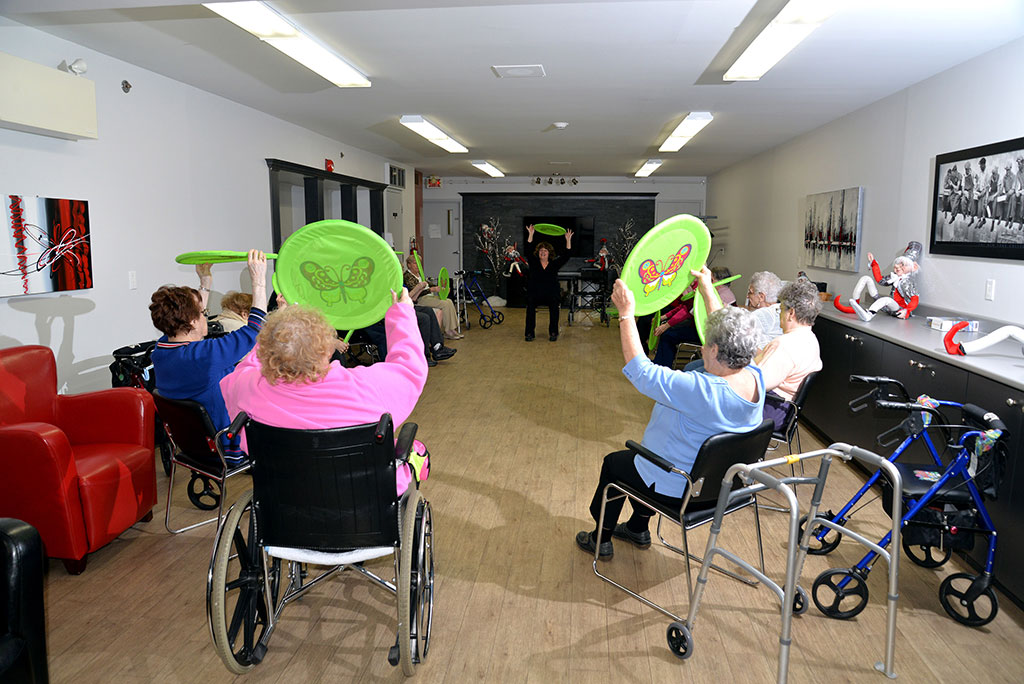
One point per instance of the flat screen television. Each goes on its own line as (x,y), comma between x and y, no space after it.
(582,239)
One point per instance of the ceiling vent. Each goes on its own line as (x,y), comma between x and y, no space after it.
(519,71)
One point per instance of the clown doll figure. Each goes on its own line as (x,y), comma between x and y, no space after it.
(603,259)
(902,279)
(516,262)
(975,346)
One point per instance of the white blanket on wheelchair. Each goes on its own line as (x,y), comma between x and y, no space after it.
(329,558)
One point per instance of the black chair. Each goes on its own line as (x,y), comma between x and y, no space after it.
(788,432)
(704,481)
(326,497)
(197,447)
(22,618)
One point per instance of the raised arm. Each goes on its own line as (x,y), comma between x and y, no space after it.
(624,301)
(205,281)
(257,263)
(529,233)
(568,240)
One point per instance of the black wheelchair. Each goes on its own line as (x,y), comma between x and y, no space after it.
(324,498)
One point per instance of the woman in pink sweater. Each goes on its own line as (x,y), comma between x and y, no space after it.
(288,379)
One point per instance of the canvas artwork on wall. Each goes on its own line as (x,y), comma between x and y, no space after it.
(46,246)
(978,202)
(832,229)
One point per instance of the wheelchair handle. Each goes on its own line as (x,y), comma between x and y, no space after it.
(650,456)
(236,425)
(382,427)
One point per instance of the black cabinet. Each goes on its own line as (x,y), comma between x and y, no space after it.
(845,352)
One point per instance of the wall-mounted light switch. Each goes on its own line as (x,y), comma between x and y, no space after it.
(132,284)
(990,289)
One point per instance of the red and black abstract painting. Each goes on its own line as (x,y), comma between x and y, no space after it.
(46,246)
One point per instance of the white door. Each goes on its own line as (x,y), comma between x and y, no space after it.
(442,236)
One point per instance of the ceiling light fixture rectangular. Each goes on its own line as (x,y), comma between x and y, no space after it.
(266,24)
(488,168)
(794,22)
(649,167)
(419,125)
(684,132)
(518,70)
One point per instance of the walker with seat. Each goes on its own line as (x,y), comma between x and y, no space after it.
(326,498)
(472,291)
(943,509)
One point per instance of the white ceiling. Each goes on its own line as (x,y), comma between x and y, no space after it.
(622,73)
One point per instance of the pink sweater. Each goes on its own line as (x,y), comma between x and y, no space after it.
(346,396)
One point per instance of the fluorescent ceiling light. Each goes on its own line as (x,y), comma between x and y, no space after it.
(421,126)
(793,23)
(488,168)
(269,26)
(649,167)
(686,129)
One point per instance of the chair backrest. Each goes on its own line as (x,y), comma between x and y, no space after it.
(719,452)
(328,490)
(801,394)
(28,385)
(189,426)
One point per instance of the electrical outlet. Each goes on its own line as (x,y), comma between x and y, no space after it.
(990,289)
(132,283)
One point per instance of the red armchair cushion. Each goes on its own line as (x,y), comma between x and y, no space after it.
(113,481)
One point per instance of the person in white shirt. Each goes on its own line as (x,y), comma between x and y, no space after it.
(762,299)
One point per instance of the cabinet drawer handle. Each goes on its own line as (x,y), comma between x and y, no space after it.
(912,363)
(1011,402)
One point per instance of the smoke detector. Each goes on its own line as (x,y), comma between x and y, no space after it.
(561,125)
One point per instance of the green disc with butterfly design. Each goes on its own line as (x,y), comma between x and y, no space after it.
(657,270)
(342,268)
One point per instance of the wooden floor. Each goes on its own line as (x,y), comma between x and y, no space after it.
(516,433)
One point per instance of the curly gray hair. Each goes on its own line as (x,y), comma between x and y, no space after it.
(801,297)
(736,334)
(767,283)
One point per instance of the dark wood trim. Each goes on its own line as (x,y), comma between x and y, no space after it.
(279,165)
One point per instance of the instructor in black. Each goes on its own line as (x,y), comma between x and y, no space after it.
(542,283)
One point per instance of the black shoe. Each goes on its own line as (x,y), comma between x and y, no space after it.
(529,338)
(641,540)
(442,353)
(585,540)
(553,337)
(431,362)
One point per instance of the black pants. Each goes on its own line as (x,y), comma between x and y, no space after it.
(430,331)
(548,300)
(618,467)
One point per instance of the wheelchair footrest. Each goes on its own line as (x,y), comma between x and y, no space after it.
(393,655)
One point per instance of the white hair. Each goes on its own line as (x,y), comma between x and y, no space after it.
(768,284)
(736,334)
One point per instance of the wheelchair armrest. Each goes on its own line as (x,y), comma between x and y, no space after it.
(236,425)
(403,445)
(651,456)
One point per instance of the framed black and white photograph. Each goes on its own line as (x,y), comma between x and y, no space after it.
(978,202)
(832,223)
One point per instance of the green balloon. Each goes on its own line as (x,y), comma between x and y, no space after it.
(342,268)
(657,270)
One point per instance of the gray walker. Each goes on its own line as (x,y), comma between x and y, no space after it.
(792,597)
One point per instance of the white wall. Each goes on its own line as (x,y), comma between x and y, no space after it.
(175,169)
(889,148)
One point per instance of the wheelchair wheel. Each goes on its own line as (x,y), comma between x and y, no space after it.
(973,613)
(821,547)
(407,646)
(486,322)
(165,450)
(831,599)
(926,556)
(235,590)
(499,317)
(680,641)
(422,596)
(203,492)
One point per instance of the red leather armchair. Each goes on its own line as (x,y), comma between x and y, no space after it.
(80,469)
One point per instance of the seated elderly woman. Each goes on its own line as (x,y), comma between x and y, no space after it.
(689,407)
(793,355)
(187,366)
(424,294)
(234,312)
(289,380)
